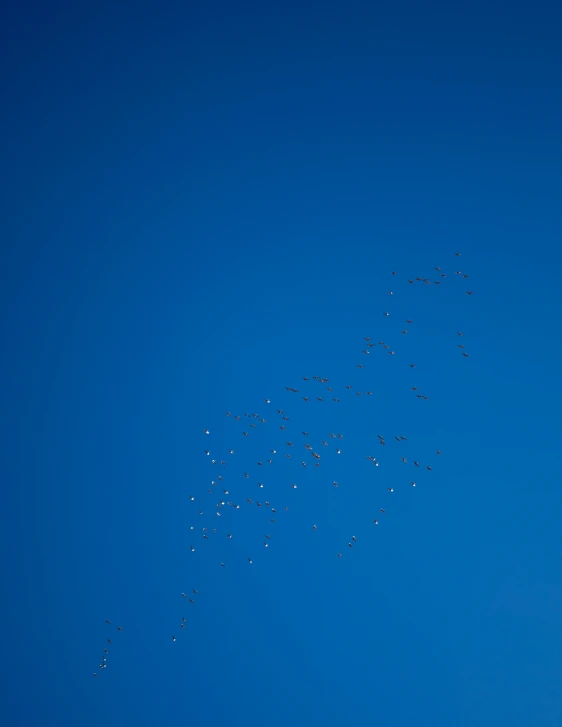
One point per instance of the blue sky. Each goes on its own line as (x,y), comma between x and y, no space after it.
(204,203)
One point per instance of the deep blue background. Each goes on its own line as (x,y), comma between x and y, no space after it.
(203,202)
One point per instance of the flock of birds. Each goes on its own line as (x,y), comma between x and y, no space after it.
(302,448)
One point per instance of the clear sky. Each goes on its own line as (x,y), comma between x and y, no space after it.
(202,203)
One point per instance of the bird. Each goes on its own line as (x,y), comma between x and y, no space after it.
(119,628)
(469,292)
(173,638)
(206,431)
(457,254)
(107,621)
(439,452)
